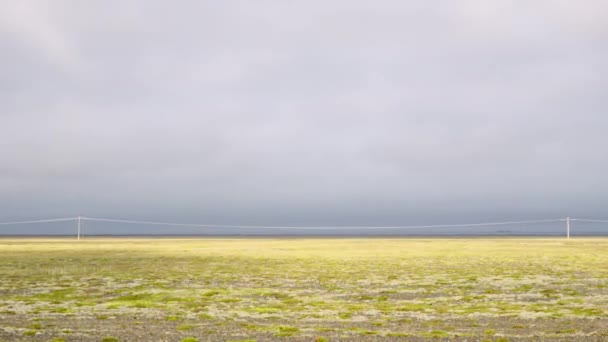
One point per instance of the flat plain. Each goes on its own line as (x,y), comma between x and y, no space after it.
(304,289)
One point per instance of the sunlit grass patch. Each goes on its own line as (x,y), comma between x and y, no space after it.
(436,334)
(110,339)
(189,339)
(185,327)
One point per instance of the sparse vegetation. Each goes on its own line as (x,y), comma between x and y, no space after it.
(109,339)
(341,289)
(189,339)
(185,327)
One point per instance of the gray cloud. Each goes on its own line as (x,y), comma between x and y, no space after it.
(303,112)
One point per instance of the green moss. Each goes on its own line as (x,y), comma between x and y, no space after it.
(592,312)
(523,288)
(249,326)
(228,300)
(437,334)
(566,331)
(57,296)
(109,339)
(397,334)
(266,310)
(189,339)
(345,315)
(492,291)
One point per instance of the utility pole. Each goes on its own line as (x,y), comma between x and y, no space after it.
(79,227)
(568,227)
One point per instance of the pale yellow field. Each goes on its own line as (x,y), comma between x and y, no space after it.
(303,289)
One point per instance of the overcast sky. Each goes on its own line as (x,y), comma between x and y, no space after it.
(304,112)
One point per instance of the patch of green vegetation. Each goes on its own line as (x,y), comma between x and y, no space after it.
(345,315)
(317,304)
(378,324)
(211,293)
(524,288)
(266,310)
(436,334)
(467,299)
(582,311)
(30,333)
(35,326)
(397,334)
(57,296)
(109,339)
(253,327)
(189,339)
(58,339)
(228,300)
(185,327)
(492,291)
(324,329)
(566,331)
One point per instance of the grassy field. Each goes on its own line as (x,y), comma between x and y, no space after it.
(303,289)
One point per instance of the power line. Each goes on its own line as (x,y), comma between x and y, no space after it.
(199,225)
(589,220)
(317,227)
(39,221)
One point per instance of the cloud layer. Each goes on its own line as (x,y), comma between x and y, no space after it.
(304,112)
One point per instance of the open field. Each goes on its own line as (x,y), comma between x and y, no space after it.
(499,289)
